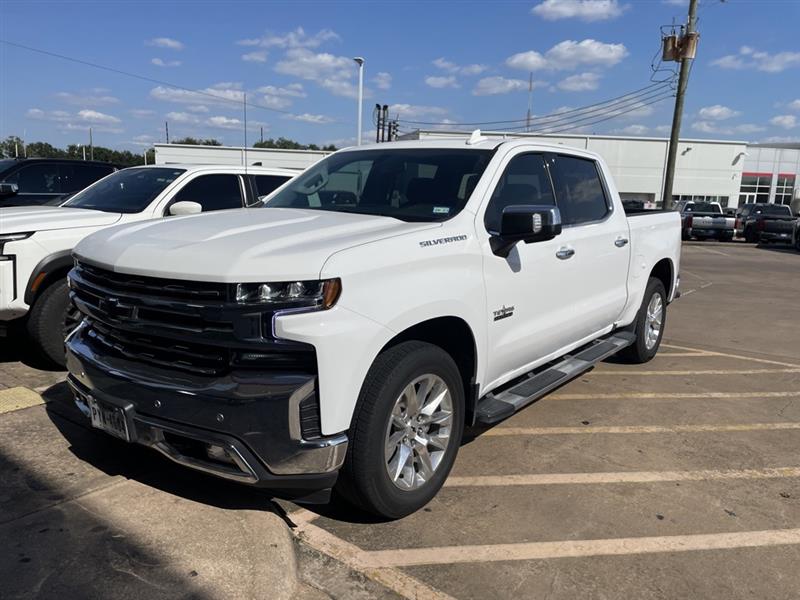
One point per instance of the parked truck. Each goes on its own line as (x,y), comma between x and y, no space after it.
(385,299)
(36,242)
(766,223)
(704,220)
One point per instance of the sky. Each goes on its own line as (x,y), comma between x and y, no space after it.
(443,62)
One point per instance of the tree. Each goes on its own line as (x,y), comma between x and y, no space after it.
(283,143)
(12,147)
(197,141)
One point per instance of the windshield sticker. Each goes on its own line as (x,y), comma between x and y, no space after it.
(441,210)
(444,240)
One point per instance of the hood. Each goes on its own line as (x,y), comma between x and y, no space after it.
(241,245)
(44,218)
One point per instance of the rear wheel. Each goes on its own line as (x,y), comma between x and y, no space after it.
(406,430)
(750,235)
(51,319)
(649,324)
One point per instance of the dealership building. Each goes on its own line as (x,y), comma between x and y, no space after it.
(728,172)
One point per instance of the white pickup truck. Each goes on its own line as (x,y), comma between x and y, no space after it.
(385,299)
(36,242)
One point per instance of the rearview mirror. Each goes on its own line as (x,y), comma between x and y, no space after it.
(525,223)
(8,189)
(180,209)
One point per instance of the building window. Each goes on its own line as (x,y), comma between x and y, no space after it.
(784,192)
(755,187)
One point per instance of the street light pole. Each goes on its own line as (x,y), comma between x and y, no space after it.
(360,62)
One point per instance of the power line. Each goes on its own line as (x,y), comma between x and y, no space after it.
(145,78)
(605,104)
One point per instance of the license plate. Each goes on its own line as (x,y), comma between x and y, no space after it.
(110,419)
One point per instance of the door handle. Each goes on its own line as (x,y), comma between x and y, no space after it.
(620,242)
(565,253)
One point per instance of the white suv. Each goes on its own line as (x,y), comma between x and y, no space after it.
(36,242)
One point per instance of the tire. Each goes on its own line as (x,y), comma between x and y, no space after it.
(750,236)
(365,479)
(797,241)
(50,320)
(642,350)
(685,235)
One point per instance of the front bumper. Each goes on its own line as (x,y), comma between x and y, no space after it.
(11,303)
(252,419)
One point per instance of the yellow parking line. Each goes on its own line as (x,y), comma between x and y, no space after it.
(620,477)
(17,398)
(580,548)
(674,395)
(640,429)
(354,557)
(737,356)
(704,372)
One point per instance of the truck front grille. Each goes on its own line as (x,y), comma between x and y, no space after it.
(180,325)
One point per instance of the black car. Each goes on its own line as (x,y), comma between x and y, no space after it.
(29,181)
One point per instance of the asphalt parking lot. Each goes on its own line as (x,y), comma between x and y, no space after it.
(675,479)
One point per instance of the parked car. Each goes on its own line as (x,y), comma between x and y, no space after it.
(765,223)
(386,298)
(703,220)
(36,242)
(31,181)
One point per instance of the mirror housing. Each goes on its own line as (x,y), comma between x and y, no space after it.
(527,223)
(8,189)
(180,209)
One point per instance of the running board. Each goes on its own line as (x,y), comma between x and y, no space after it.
(496,406)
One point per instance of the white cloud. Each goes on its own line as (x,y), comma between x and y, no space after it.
(585,10)
(706,127)
(780,139)
(309,118)
(677,2)
(582,82)
(293,90)
(294,39)
(454,69)
(750,58)
(717,112)
(795,104)
(569,55)
(662,129)
(81,120)
(784,121)
(333,73)
(224,92)
(748,128)
(165,63)
(165,42)
(182,117)
(382,81)
(492,86)
(197,108)
(717,129)
(259,56)
(142,113)
(221,122)
(435,81)
(416,111)
(94,97)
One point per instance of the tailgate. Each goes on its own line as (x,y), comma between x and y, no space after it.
(709,222)
(779,225)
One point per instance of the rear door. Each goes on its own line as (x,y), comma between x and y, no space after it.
(595,243)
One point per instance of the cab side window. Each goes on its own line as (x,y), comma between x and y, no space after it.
(36,179)
(580,193)
(525,181)
(212,192)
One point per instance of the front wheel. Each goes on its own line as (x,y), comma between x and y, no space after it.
(51,320)
(649,325)
(750,235)
(406,430)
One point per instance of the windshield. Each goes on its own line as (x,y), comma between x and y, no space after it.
(126,191)
(774,209)
(412,185)
(706,207)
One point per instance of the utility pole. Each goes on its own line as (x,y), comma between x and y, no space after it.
(685,53)
(530,102)
(262,134)
(91,145)
(360,62)
(166,131)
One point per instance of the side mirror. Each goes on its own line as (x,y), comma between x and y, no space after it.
(8,189)
(525,223)
(180,209)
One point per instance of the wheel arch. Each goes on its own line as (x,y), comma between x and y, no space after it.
(46,272)
(664,271)
(454,336)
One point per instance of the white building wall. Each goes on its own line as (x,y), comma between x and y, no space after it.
(703,168)
(230,155)
(775,160)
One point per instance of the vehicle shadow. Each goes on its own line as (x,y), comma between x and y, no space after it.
(16,347)
(779,248)
(115,457)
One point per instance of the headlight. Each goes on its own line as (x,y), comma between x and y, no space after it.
(13,237)
(290,294)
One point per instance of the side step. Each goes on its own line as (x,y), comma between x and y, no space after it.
(496,406)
